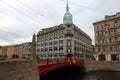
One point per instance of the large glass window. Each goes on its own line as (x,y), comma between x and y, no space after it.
(50,43)
(115,57)
(102,57)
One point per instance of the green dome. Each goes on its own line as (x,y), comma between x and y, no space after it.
(67,18)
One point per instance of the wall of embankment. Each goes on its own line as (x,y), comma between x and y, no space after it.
(91,65)
(18,70)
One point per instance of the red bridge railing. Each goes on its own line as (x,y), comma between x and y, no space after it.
(43,62)
(47,65)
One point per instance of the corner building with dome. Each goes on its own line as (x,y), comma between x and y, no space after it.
(63,40)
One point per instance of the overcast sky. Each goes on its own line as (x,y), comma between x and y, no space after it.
(19,19)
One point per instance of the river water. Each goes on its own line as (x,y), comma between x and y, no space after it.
(84,76)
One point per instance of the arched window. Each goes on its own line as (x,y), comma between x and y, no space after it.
(61,38)
(50,39)
(55,38)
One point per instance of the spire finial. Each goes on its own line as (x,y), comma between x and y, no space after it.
(67,8)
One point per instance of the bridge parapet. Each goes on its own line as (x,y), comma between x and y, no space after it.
(92,65)
(42,62)
(47,65)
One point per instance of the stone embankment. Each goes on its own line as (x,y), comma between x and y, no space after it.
(102,65)
(18,70)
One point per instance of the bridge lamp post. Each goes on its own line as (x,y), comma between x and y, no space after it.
(47,59)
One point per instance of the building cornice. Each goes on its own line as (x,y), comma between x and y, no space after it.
(113,18)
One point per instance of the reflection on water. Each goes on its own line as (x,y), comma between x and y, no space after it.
(102,76)
(80,76)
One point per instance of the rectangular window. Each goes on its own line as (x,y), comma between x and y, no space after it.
(42,44)
(115,57)
(68,43)
(110,40)
(98,41)
(97,27)
(110,48)
(114,31)
(61,48)
(102,32)
(46,49)
(115,39)
(38,50)
(115,21)
(102,26)
(50,43)
(55,42)
(98,49)
(55,48)
(105,24)
(50,49)
(46,44)
(68,50)
(61,42)
(108,25)
(103,49)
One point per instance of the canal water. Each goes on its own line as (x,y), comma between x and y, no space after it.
(83,76)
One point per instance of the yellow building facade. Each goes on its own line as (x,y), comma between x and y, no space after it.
(10,51)
(4,51)
(107,38)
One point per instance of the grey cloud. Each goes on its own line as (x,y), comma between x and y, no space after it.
(51,13)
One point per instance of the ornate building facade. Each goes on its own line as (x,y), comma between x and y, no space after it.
(107,38)
(12,51)
(63,40)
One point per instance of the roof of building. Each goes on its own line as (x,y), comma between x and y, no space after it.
(61,26)
(107,18)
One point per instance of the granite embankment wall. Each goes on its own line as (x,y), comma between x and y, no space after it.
(21,69)
(18,70)
(102,65)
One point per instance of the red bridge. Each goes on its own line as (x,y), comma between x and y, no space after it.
(48,65)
